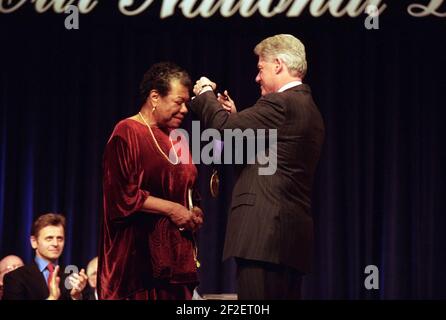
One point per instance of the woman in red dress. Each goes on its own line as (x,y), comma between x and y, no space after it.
(147,249)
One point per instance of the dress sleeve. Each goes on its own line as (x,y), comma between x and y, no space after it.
(122,178)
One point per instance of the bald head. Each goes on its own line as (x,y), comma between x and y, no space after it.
(8,264)
(92,269)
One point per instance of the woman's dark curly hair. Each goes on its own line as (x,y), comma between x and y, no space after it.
(158,78)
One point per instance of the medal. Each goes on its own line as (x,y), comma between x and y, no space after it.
(214,184)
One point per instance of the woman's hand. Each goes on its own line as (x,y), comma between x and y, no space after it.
(178,214)
(226,102)
(198,216)
(182,217)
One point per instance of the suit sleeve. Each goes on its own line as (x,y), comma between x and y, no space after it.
(13,288)
(122,179)
(267,113)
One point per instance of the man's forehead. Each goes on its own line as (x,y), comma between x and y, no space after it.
(51,230)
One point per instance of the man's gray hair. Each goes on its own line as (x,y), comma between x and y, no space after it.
(287,48)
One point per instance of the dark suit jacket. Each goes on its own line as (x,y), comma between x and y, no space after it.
(270,218)
(28,283)
(88,293)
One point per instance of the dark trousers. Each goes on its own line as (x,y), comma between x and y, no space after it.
(258,280)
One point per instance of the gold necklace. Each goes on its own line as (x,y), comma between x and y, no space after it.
(158,146)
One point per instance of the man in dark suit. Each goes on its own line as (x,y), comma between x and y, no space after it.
(40,280)
(270,228)
(92,272)
(8,264)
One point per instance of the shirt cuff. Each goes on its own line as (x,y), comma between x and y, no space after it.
(204,88)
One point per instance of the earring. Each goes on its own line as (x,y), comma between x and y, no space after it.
(153,109)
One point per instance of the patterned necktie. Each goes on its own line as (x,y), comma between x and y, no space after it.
(50,268)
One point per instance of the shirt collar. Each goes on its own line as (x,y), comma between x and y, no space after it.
(41,263)
(289,85)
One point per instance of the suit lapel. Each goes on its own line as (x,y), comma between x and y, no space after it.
(41,286)
(38,280)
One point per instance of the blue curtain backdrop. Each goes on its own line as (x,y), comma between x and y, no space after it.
(379,196)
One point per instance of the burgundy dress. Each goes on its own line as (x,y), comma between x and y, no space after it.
(142,252)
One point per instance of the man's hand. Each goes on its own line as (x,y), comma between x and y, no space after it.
(78,281)
(54,285)
(182,217)
(226,102)
(204,84)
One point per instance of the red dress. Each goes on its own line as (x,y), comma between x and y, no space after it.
(141,251)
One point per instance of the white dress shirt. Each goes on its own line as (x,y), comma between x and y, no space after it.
(289,85)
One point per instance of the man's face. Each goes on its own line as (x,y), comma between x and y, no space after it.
(49,243)
(92,279)
(266,76)
(172,109)
(92,272)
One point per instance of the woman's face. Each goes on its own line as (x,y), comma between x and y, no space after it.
(171,109)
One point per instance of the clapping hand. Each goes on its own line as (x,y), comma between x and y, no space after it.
(78,281)
(53,286)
